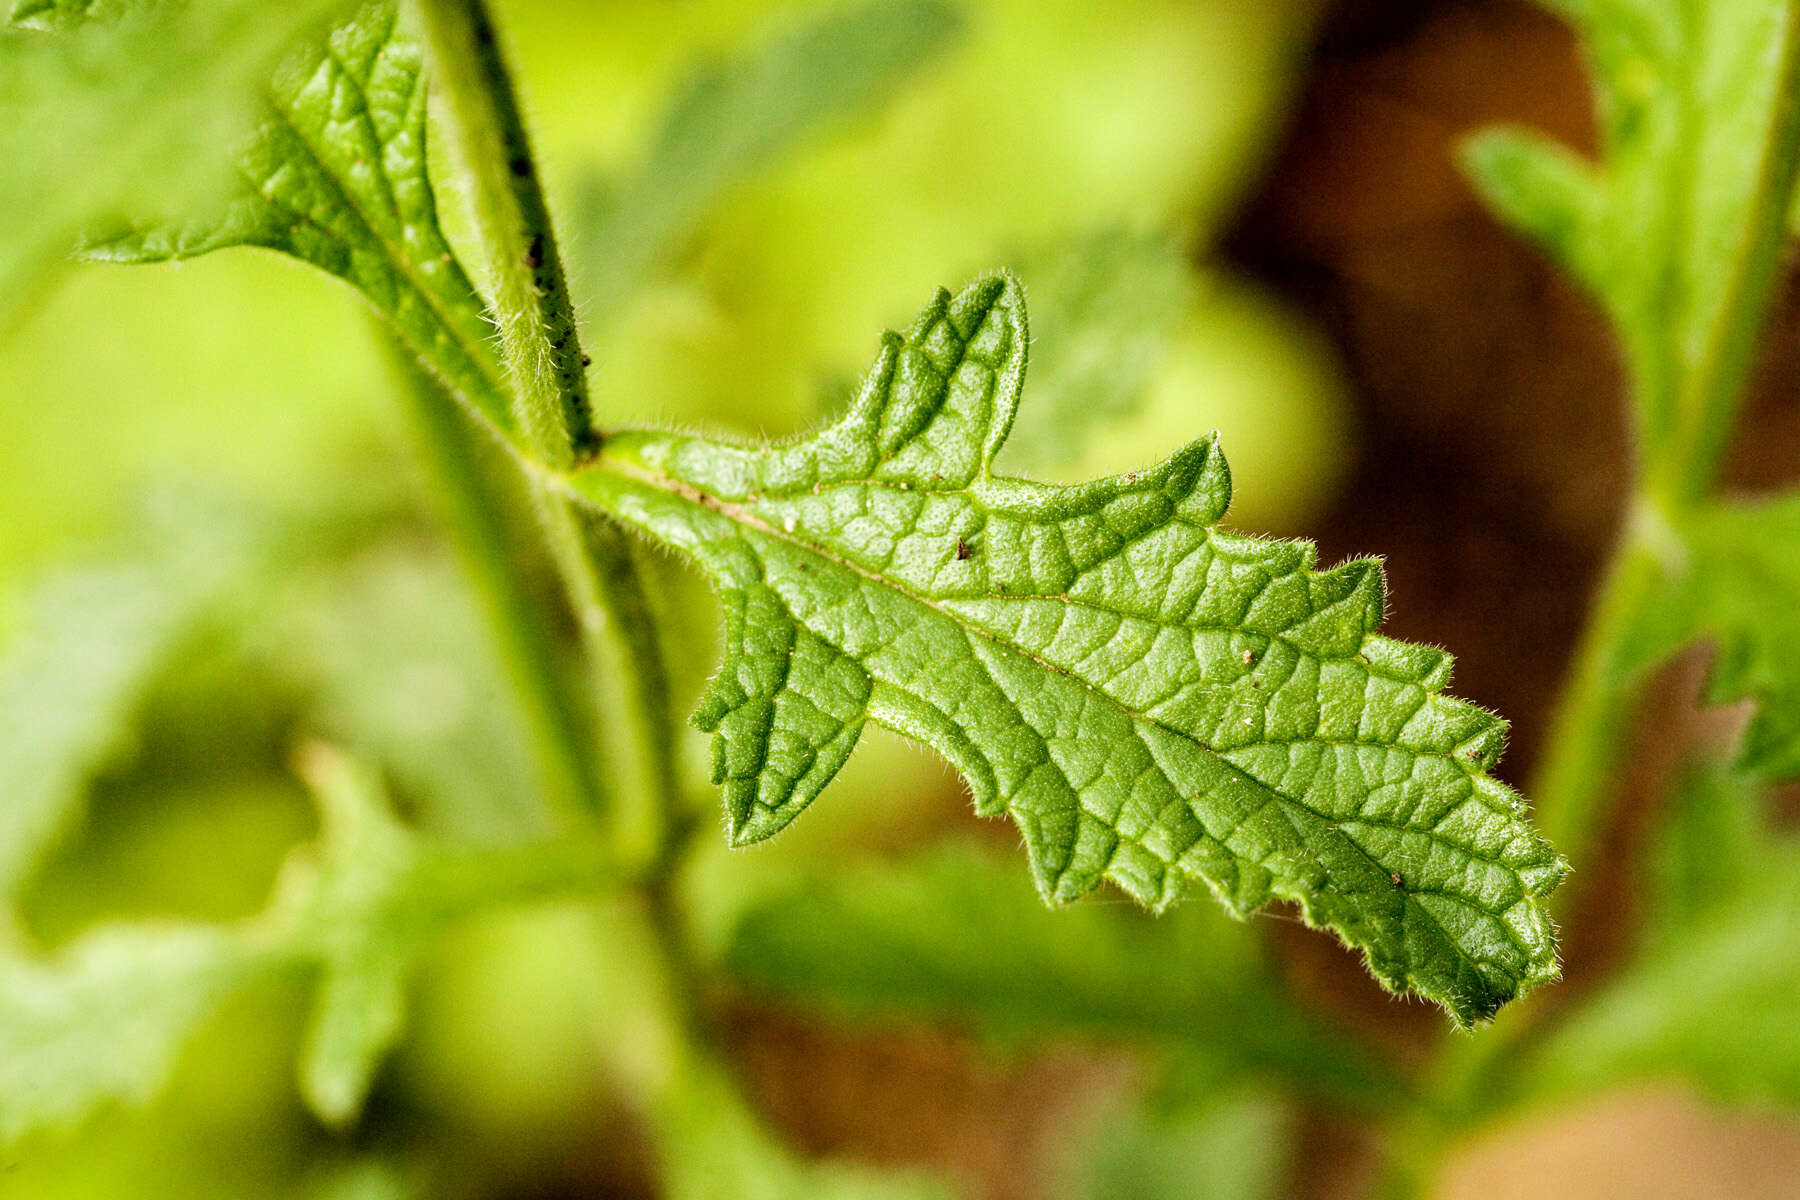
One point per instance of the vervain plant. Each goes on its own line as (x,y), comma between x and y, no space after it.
(1152,700)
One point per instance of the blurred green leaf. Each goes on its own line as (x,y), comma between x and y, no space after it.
(712,1146)
(92,642)
(1733,576)
(708,1140)
(1676,230)
(957,935)
(735,116)
(373,896)
(1235,1148)
(389,648)
(134,114)
(336,175)
(1710,996)
(68,14)
(1152,700)
(1103,309)
(364,1181)
(366,930)
(108,1018)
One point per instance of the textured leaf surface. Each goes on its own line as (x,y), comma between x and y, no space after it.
(1153,701)
(336,175)
(958,936)
(1663,228)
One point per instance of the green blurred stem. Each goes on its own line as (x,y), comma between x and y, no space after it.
(709,1141)
(1591,734)
(621,633)
(1581,765)
(473,880)
(1686,470)
(542,350)
(1593,722)
(553,716)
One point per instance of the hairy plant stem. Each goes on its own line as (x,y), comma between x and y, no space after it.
(530,295)
(554,718)
(654,1034)
(542,351)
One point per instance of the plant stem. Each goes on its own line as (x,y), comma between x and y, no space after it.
(530,299)
(1592,725)
(709,1140)
(543,354)
(471,511)
(1710,401)
(1589,737)
(1581,763)
(620,629)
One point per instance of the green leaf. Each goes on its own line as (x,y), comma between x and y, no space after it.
(711,1144)
(372,896)
(1733,575)
(93,640)
(365,928)
(1152,700)
(1676,229)
(1235,1148)
(954,935)
(739,114)
(107,1020)
(66,14)
(372,1180)
(1710,996)
(389,650)
(336,175)
(1104,307)
(128,108)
